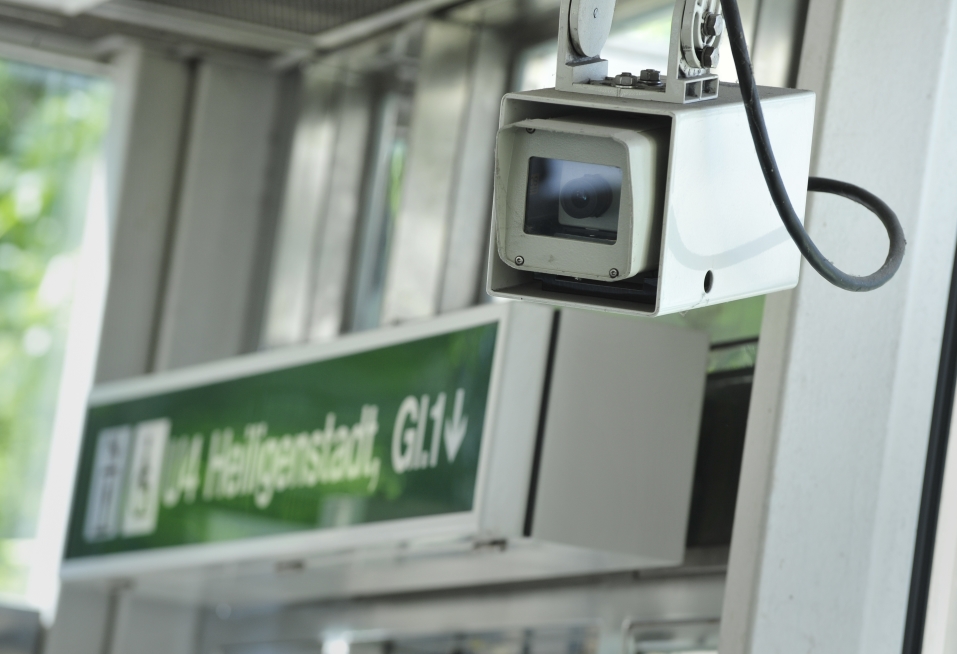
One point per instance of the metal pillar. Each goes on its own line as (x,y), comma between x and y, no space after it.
(830,489)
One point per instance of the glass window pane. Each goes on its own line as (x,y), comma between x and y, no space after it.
(570,199)
(382,198)
(51,132)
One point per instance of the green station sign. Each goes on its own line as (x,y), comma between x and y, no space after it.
(378,435)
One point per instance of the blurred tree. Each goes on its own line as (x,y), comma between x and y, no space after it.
(52,125)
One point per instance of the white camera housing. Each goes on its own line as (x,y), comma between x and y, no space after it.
(629,158)
(643,194)
(696,222)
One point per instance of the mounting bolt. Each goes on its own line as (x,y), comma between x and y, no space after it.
(712,25)
(710,57)
(613,273)
(650,75)
(519,261)
(625,79)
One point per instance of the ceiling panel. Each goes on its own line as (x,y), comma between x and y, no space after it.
(302,16)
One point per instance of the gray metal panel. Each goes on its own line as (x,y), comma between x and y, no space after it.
(472,203)
(441,100)
(375,234)
(83,622)
(299,16)
(517,413)
(351,24)
(281,144)
(147,191)
(607,603)
(219,216)
(416,565)
(776,45)
(335,245)
(302,216)
(621,434)
(150,626)
(192,24)
(20,630)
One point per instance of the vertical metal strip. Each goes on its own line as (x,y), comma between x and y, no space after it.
(336,245)
(777,39)
(453,227)
(112,622)
(373,240)
(440,103)
(941,416)
(178,182)
(287,104)
(219,214)
(301,215)
(470,206)
(542,419)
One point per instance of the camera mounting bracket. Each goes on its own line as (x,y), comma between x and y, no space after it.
(696,29)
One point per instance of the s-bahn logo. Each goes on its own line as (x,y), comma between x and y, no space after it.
(124,489)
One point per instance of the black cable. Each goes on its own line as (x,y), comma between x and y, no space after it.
(779,194)
(941,419)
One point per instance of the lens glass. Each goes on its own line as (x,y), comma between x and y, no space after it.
(571,199)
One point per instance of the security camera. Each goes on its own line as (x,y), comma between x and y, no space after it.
(582,199)
(642,193)
(641,206)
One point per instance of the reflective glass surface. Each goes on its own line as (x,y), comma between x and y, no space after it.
(570,199)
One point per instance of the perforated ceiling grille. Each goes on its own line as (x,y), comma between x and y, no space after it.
(303,16)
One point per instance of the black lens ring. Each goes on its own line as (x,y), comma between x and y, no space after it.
(595,187)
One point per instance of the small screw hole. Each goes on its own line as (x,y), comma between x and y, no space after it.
(530,130)
(708,281)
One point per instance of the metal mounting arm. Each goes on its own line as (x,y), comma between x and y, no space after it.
(696,29)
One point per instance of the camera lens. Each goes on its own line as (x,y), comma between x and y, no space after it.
(586,197)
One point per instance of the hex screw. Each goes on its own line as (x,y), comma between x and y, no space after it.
(650,75)
(613,273)
(712,25)
(625,79)
(519,261)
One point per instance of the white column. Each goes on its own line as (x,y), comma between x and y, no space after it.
(840,415)
(143,179)
(219,221)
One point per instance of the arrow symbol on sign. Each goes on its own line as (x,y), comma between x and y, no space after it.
(455,428)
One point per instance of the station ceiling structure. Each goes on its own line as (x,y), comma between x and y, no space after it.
(281,27)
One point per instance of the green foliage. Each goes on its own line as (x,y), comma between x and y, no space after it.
(51,130)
